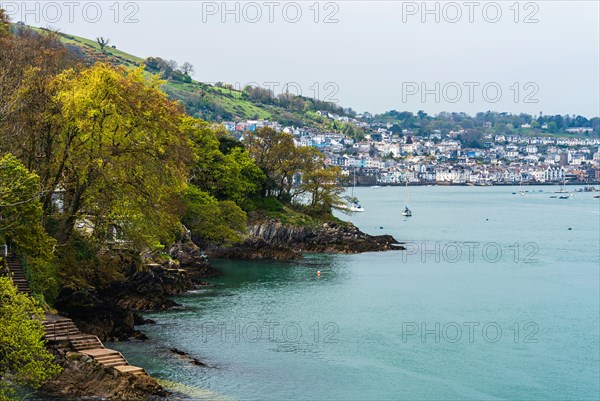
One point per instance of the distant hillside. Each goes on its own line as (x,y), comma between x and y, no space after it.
(220,102)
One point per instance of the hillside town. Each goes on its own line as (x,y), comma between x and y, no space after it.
(387,158)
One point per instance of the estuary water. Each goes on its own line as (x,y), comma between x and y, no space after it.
(496,297)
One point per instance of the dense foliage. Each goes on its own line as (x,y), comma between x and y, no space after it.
(295,175)
(21,224)
(24,360)
(109,161)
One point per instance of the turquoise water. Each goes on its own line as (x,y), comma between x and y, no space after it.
(496,298)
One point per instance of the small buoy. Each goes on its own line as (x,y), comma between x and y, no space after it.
(318,272)
(570,228)
(380,227)
(487,219)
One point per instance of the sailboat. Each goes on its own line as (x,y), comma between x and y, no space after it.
(562,189)
(406,212)
(354,206)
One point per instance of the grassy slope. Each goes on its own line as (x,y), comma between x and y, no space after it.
(230,101)
(197,95)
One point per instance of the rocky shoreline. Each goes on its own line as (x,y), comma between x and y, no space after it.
(111,313)
(82,377)
(273,240)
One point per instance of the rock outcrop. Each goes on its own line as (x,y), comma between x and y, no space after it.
(82,377)
(112,311)
(271,239)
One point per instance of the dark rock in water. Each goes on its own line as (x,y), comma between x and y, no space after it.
(177,351)
(185,356)
(139,320)
(271,239)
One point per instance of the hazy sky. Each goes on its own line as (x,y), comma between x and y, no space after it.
(369,55)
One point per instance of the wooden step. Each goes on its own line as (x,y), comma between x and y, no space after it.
(84,338)
(100,352)
(57,323)
(85,347)
(61,320)
(62,326)
(72,331)
(111,361)
(132,369)
(60,334)
(82,345)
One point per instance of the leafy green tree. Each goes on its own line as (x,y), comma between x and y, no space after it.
(275,154)
(127,155)
(21,224)
(29,60)
(281,161)
(24,360)
(222,166)
(321,183)
(210,220)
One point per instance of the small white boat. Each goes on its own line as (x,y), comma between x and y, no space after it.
(562,189)
(353,205)
(406,212)
(356,207)
(375,186)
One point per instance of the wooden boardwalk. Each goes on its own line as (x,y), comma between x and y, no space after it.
(59,329)
(62,329)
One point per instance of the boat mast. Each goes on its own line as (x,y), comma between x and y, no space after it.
(353,180)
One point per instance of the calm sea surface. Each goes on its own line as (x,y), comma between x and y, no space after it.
(497,297)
